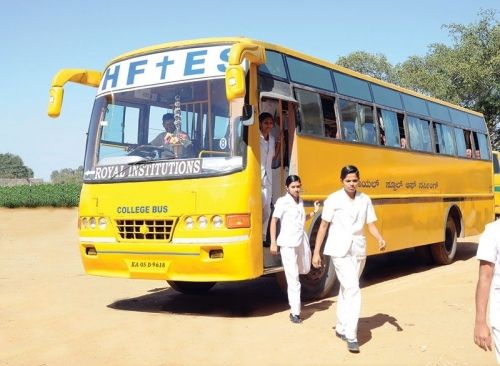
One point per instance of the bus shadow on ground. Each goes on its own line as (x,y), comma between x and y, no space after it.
(384,267)
(263,297)
(253,298)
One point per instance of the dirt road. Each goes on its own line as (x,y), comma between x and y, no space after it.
(51,313)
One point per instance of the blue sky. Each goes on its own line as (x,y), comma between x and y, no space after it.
(39,38)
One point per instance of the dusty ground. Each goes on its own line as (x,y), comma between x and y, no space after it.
(51,313)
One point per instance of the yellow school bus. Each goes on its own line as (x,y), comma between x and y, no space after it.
(188,210)
(496,182)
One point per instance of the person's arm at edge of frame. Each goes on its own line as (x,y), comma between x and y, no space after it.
(372,228)
(316,259)
(482,334)
(272,232)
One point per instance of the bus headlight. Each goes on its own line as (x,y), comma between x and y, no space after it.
(102,223)
(85,222)
(217,221)
(188,223)
(92,222)
(202,222)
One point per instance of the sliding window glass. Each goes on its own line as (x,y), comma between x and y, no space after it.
(420,137)
(482,146)
(366,124)
(444,139)
(460,141)
(357,122)
(389,128)
(311,116)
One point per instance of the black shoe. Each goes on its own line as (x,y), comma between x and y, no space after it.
(295,319)
(341,336)
(353,346)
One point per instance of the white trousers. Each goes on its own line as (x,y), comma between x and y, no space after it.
(266,209)
(348,270)
(293,265)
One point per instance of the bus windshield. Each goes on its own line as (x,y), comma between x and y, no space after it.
(168,132)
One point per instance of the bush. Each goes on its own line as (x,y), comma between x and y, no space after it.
(40,195)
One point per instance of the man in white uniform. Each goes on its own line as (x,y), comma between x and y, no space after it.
(267,151)
(346,212)
(488,253)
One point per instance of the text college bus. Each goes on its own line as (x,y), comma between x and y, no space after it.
(191,215)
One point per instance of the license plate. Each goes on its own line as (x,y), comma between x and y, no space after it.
(147,266)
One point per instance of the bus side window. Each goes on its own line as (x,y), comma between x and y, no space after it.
(366,124)
(348,113)
(389,128)
(310,112)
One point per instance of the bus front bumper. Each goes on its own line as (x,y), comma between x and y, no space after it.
(219,260)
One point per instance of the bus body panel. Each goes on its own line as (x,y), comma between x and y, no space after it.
(185,256)
(412,197)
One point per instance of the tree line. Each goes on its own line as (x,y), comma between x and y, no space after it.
(466,73)
(12,167)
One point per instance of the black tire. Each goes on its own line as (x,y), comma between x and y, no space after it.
(191,288)
(318,283)
(444,252)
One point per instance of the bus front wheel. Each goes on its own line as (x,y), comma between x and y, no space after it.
(444,252)
(317,284)
(191,288)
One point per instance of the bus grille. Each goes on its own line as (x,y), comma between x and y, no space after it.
(146,229)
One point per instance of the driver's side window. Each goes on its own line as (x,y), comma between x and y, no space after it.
(119,128)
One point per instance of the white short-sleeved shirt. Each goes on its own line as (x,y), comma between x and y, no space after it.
(489,250)
(266,159)
(347,218)
(292,218)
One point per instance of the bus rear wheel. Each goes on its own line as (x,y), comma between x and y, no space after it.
(444,252)
(191,288)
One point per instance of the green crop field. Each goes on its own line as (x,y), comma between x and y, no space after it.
(40,195)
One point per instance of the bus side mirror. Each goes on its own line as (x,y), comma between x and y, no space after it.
(247,115)
(235,82)
(55,101)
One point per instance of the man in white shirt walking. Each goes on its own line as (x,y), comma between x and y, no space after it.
(488,253)
(346,212)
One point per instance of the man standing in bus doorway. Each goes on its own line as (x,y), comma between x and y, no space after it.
(488,253)
(347,211)
(267,151)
